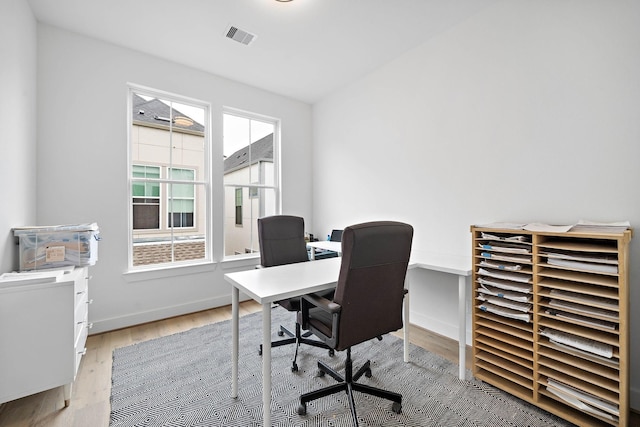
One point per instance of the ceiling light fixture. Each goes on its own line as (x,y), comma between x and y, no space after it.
(284,1)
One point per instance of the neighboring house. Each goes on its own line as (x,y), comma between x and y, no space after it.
(244,204)
(151,156)
(166,141)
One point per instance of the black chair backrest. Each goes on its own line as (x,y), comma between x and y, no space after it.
(281,240)
(370,288)
(336,236)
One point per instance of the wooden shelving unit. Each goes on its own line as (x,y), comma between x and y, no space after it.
(551,320)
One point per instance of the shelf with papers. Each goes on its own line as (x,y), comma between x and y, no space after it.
(553,356)
(551,319)
(607,288)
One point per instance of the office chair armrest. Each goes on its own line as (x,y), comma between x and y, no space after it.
(321,303)
(317,302)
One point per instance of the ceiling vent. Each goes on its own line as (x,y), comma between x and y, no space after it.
(241,36)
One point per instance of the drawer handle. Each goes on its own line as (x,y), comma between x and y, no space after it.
(89,325)
(83,352)
(80,292)
(90,301)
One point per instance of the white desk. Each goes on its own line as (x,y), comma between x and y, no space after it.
(452,264)
(268,285)
(326,245)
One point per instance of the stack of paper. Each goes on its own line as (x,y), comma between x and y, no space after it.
(505,312)
(508,238)
(601,227)
(576,341)
(506,257)
(506,284)
(584,354)
(501,266)
(584,401)
(588,321)
(518,296)
(506,247)
(585,266)
(587,310)
(522,278)
(504,302)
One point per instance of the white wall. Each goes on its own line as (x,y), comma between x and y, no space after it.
(18,123)
(82,90)
(528,111)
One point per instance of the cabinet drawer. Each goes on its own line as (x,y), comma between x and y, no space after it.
(81,322)
(81,285)
(80,348)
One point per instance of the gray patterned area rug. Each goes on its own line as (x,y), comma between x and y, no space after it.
(185,380)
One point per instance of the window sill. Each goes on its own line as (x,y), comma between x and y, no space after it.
(239,261)
(234,263)
(164,271)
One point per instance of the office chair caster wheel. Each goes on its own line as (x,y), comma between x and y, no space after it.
(302,409)
(367,373)
(260,351)
(280,333)
(396,407)
(319,373)
(331,353)
(294,367)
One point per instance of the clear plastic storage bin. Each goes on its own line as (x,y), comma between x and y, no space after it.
(57,246)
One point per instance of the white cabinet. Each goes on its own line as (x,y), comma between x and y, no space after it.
(43,331)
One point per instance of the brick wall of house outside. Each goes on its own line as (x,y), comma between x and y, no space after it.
(161,252)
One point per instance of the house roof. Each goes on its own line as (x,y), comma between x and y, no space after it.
(259,151)
(157,113)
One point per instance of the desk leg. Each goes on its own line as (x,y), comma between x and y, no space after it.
(313,253)
(235,297)
(406,321)
(266,364)
(462,326)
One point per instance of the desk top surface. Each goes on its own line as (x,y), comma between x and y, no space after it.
(446,263)
(326,245)
(267,285)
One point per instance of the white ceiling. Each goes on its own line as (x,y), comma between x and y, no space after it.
(304,49)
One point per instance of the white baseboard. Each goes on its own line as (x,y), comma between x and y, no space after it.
(438,326)
(105,325)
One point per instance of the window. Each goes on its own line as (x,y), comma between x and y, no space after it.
(181,199)
(238,206)
(169,178)
(146,198)
(251,177)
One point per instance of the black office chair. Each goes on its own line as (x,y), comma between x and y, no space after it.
(282,242)
(367,304)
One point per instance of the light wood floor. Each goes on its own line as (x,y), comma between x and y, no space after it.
(90,405)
